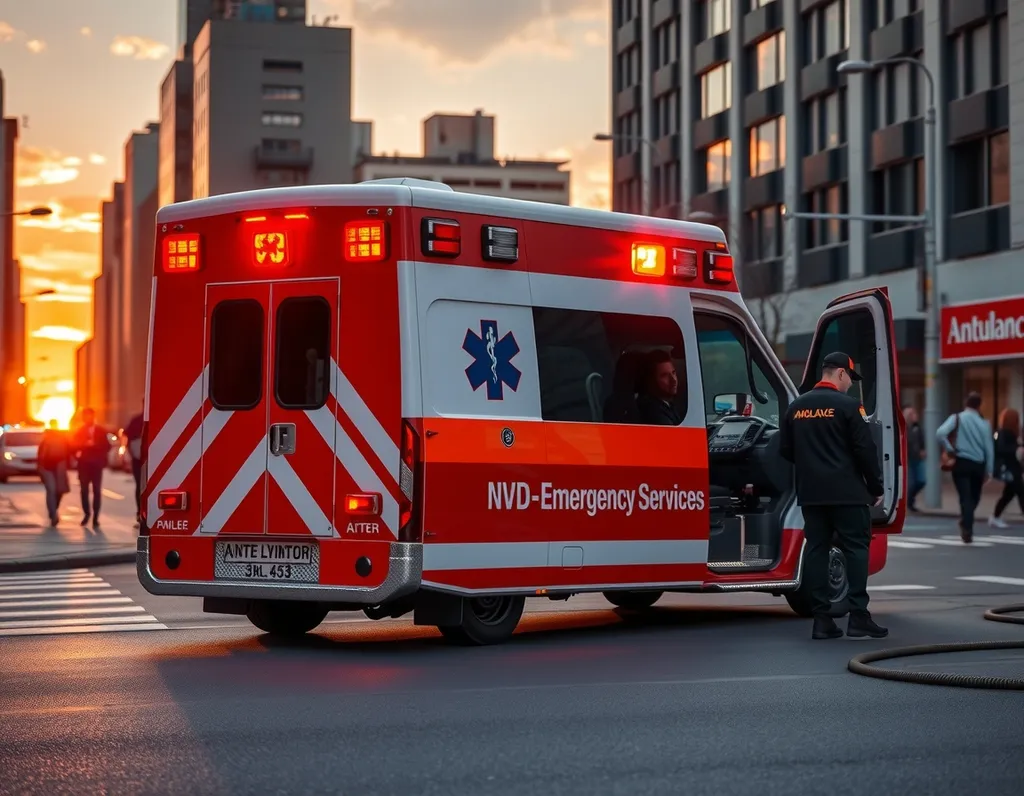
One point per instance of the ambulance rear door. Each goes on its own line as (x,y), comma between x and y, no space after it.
(861,325)
(268,463)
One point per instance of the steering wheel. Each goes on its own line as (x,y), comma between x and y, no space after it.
(747,420)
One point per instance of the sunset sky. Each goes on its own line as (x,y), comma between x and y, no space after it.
(83,74)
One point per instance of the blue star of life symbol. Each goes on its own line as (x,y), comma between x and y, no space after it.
(492,360)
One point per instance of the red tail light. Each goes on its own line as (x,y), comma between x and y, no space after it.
(411,481)
(172,500)
(362,504)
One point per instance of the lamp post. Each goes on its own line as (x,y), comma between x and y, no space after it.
(929,221)
(645,179)
(35,211)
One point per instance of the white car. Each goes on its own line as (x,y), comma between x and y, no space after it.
(19,452)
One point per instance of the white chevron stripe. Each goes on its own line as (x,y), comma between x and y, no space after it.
(365,422)
(187,459)
(235,492)
(175,425)
(298,495)
(353,461)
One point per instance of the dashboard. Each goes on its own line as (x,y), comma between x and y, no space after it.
(744,451)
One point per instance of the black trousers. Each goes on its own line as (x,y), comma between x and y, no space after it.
(1014,488)
(968,477)
(90,474)
(851,526)
(137,475)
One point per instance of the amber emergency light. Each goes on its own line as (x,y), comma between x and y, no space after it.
(648,259)
(366,241)
(181,252)
(362,504)
(270,249)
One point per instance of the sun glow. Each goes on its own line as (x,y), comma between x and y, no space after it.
(59,409)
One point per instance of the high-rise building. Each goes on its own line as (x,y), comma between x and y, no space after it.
(458,150)
(271,106)
(193,14)
(731,110)
(175,151)
(13,393)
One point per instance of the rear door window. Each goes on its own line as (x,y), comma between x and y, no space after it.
(302,358)
(236,355)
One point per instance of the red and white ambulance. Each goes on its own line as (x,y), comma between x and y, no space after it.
(393,397)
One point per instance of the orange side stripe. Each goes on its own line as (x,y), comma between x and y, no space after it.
(465,441)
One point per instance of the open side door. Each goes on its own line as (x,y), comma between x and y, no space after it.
(861,326)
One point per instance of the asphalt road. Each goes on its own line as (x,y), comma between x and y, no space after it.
(723,694)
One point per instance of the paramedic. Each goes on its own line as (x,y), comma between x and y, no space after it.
(838,476)
(659,389)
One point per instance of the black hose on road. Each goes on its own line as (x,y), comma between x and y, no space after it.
(861,664)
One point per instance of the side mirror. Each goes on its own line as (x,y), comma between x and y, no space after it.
(733,403)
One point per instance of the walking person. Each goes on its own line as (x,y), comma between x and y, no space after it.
(91,447)
(915,457)
(838,478)
(133,432)
(966,438)
(54,459)
(1008,466)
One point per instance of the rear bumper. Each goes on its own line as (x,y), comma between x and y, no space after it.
(405,569)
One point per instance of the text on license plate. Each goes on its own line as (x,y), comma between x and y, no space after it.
(267,553)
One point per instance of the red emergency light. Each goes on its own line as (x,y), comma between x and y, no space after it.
(441,237)
(718,266)
(181,252)
(362,504)
(366,241)
(270,249)
(172,500)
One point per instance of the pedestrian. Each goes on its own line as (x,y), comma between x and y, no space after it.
(91,447)
(54,459)
(915,457)
(133,433)
(825,434)
(966,438)
(1008,466)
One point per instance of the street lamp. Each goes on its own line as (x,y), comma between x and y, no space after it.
(35,211)
(929,221)
(645,179)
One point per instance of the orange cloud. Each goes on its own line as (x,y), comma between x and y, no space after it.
(36,46)
(469,31)
(7,33)
(62,333)
(86,31)
(138,47)
(62,219)
(45,167)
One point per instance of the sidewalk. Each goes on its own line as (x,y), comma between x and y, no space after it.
(26,544)
(951,504)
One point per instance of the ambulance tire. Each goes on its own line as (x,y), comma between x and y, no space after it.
(285,617)
(486,620)
(633,600)
(838,586)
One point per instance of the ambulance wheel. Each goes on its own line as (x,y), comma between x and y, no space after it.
(633,600)
(838,588)
(285,618)
(486,620)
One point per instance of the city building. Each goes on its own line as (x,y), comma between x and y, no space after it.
(730,111)
(13,389)
(175,149)
(362,140)
(458,150)
(193,14)
(272,105)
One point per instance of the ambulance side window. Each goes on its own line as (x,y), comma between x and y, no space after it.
(236,354)
(723,366)
(590,364)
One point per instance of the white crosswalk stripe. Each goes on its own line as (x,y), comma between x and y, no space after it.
(905,542)
(67,601)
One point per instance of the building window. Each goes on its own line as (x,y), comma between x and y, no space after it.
(981,173)
(999,169)
(665,42)
(719,16)
(826,232)
(770,61)
(764,233)
(718,168)
(274,119)
(282,93)
(1002,54)
(897,190)
(583,357)
(753,5)
(716,90)
(826,122)
(271,65)
(768,146)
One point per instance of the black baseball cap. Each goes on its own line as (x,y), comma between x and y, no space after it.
(838,359)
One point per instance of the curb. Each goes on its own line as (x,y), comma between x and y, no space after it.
(68,562)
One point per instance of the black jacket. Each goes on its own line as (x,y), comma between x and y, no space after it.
(825,435)
(1006,451)
(656,412)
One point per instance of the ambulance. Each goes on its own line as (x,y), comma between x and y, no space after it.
(395,398)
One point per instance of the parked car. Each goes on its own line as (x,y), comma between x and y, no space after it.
(19,452)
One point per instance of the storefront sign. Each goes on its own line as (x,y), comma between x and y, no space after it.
(983,330)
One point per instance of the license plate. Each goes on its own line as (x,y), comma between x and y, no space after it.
(294,562)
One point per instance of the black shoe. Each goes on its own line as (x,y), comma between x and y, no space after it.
(825,627)
(863,626)
(85,520)
(966,534)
